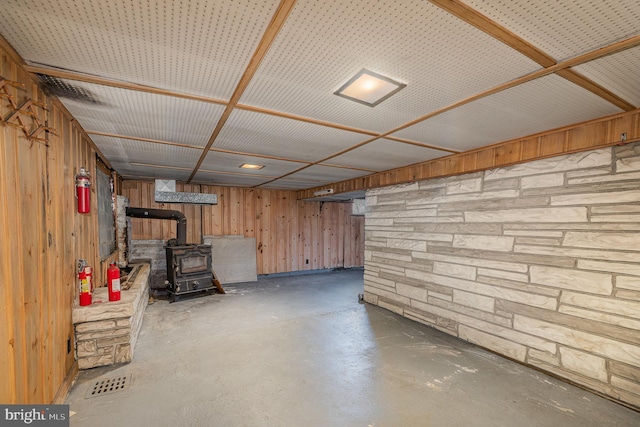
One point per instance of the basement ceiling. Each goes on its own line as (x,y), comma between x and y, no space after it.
(190,90)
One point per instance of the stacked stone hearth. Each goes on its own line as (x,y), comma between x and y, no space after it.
(539,262)
(106,332)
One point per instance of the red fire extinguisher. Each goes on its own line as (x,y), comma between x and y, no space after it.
(113,282)
(85,288)
(83,193)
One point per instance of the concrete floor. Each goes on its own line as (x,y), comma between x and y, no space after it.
(301,351)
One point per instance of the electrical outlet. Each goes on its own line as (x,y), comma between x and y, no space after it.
(307,262)
(623,136)
(68,345)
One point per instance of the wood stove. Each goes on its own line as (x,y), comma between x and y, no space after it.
(188,270)
(188,266)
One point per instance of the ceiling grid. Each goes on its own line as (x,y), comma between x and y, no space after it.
(253,81)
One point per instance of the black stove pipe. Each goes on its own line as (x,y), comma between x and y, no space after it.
(181,232)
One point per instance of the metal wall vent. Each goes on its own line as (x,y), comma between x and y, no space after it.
(108,385)
(60,88)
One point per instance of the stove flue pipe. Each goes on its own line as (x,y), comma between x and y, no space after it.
(181,232)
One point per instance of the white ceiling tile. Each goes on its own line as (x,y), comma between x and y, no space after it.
(251,132)
(326,174)
(551,102)
(565,28)
(383,154)
(225,162)
(147,172)
(130,151)
(619,73)
(228,180)
(200,47)
(144,115)
(284,184)
(325,43)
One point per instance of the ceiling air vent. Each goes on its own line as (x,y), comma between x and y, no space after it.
(60,88)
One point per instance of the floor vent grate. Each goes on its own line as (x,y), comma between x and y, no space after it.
(108,385)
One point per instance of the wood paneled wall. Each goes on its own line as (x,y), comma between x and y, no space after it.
(289,232)
(42,237)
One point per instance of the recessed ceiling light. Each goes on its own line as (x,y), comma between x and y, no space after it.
(251,166)
(369,88)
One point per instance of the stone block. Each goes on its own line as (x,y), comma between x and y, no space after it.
(391,307)
(625,384)
(413,245)
(626,196)
(94,361)
(616,209)
(499,345)
(629,164)
(583,160)
(613,267)
(111,333)
(543,356)
(600,317)
(470,261)
(441,296)
(390,256)
(543,181)
(95,326)
(626,294)
(615,241)
(537,241)
(454,270)
(590,343)
(370,298)
(607,305)
(494,291)
(595,179)
(372,222)
(571,214)
(624,370)
(553,252)
(462,313)
(412,292)
(532,233)
(485,243)
(509,275)
(391,296)
(123,322)
(595,283)
(615,218)
(415,213)
(122,353)
(584,363)
(413,235)
(86,348)
(463,186)
(473,300)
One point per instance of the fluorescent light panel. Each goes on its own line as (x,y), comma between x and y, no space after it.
(251,166)
(369,88)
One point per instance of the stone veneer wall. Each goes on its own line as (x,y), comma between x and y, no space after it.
(106,332)
(538,262)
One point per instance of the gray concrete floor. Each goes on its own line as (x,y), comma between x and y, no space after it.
(301,351)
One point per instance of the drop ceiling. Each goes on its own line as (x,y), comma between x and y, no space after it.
(190,90)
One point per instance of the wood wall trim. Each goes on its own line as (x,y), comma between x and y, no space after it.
(575,138)
(278,20)
(65,387)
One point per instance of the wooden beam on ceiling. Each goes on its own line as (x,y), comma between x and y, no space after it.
(471,16)
(619,46)
(276,24)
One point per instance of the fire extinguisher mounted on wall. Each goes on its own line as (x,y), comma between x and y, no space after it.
(83,191)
